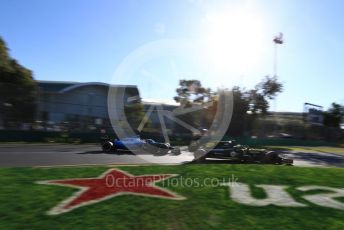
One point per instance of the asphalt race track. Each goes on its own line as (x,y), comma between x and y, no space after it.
(314,158)
(17,155)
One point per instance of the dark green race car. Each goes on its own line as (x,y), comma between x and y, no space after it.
(231,151)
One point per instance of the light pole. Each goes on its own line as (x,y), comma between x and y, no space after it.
(278,40)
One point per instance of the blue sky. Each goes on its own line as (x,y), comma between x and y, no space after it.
(155,43)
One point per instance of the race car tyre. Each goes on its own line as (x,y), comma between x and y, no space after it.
(162,151)
(107,146)
(193,146)
(272,158)
(176,151)
(199,155)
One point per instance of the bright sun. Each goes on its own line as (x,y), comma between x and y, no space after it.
(234,40)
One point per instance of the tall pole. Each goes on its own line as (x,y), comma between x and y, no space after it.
(275,61)
(275,75)
(278,40)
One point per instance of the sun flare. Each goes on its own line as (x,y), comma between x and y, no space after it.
(234,40)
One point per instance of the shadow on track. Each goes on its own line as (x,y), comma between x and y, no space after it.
(123,152)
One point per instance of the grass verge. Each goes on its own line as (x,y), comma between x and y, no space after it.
(24,203)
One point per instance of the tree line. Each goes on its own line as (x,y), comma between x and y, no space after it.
(248,104)
(18,90)
(19,94)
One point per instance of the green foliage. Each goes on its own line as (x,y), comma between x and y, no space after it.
(240,118)
(270,87)
(333,117)
(248,104)
(190,91)
(134,114)
(266,90)
(18,91)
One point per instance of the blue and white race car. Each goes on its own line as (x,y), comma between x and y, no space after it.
(109,145)
(136,143)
